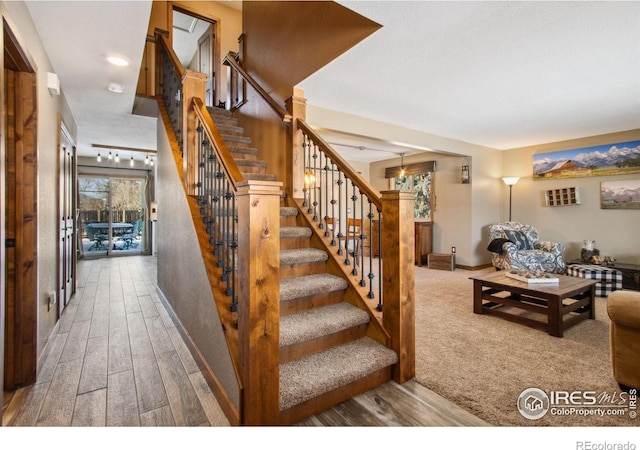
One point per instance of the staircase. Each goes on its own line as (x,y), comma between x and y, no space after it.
(325,354)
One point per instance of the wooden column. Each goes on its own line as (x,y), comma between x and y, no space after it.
(297,106)
(194,85)
(398,281)
(259,300)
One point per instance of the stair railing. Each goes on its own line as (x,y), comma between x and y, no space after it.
(237,70)
(344,206)
(242,220)
(217,185)
(170,76)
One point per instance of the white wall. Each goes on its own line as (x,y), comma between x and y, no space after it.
(615,231)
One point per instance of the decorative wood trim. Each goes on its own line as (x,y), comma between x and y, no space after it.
(194,85)
(410,169)
(22,207)
(295,151)
(259,300)
(398,253)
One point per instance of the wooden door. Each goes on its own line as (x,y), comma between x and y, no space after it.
(66,219)
(206,66)
(21,233)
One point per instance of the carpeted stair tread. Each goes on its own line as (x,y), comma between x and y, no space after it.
(213,110)
(302,256)
(225,128)
(304,286)
(308,377)
(251,163)
(314,323)
(260,176)
(286,211)
(295,232)
(243,150)
(227,138)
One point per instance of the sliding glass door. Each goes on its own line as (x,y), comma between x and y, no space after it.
(112,214)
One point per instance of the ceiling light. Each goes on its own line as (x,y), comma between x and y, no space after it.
(131,163)
(99,158)
(116,87)
(402,171)
(146,161)
(118,60)
(110,157)
(117,158)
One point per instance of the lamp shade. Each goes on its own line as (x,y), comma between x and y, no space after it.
(510,181)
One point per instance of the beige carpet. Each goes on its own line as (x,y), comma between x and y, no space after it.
(483,363)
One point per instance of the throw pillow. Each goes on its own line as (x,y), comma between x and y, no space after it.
(518,238)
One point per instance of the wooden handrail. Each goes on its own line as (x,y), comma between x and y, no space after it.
(162,39)
(222,151)
(365,188)
(230,60)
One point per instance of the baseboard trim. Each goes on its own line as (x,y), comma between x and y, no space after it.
(230,410)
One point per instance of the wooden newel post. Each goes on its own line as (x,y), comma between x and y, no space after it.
(398,254)
(259,300)
(193,86)
(297,106)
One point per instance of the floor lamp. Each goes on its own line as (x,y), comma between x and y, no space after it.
(510,181)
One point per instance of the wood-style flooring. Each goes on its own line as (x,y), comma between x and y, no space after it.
(117,359)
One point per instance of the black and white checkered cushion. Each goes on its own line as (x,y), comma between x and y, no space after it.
(609,279)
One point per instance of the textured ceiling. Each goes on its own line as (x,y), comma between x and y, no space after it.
(499,74)
(503,74)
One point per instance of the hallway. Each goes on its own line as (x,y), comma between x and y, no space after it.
(116,359)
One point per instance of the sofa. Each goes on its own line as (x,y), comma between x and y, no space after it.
(517,246)
(623,308)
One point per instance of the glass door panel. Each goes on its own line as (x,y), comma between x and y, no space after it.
(127,215)
(94,215)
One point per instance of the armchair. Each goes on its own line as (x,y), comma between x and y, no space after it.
(516,246)
(623,308)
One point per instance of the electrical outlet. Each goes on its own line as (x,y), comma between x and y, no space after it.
(453,249)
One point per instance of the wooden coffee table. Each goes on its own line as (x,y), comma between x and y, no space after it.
(563,304)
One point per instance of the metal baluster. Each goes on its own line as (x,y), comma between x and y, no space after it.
(380,299)
(370,275)
(305,189)
(315,191)
(362,238)
(319,190)
(234,250)
(218,207)
(347,261)
(326,196)
(333,205)
(228,238)
(354,199)
(339,221)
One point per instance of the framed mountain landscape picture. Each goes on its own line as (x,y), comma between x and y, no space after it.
(601,160)
(620,194)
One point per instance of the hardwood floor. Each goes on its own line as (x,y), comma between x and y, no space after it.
(117,359)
